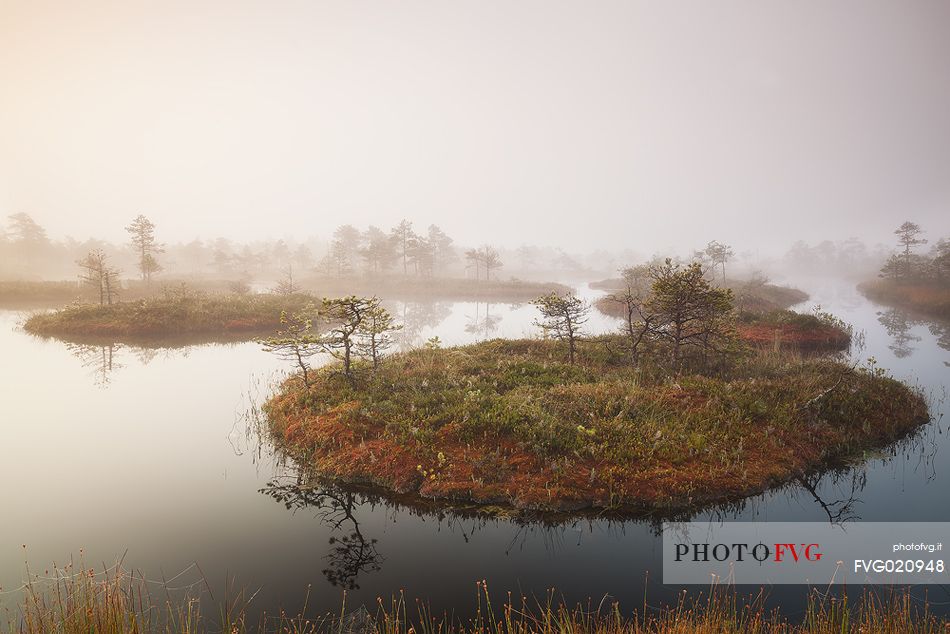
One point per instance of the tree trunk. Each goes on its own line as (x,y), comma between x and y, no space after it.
(570,338)
(346,359)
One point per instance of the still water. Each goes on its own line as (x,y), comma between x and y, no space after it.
(150,454)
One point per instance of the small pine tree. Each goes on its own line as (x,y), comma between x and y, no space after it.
(562,317)
(295,341)
(142,232)
(689,311)
(376,333)
(100,276)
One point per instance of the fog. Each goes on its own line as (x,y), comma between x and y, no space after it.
(635,128)
(535,277)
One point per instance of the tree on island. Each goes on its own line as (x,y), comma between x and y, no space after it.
(358,327)
(561,318)
(638,321)
(296,340)
(142,232)
(98,274)
(377,332)
(908,237)
(346,318)
(690,312)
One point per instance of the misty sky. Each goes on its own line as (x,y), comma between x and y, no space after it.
(646,125)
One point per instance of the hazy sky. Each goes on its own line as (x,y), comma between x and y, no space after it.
(584,124)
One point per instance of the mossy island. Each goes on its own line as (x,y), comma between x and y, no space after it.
(175,314)
(181,310)
(512,423)
(681,414)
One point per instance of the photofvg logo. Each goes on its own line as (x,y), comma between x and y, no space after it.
(740,552)
(804,552)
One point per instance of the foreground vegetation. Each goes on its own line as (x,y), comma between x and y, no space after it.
(111,602)
(182,312)
(512,423)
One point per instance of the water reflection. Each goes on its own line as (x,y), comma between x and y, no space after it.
(838,509)
(101,360)
(416,317)
(216,474)
(898,325)
(482,325)
(834,494)
(350,553)
(941,332)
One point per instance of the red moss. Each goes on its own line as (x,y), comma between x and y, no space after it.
(342,445)
(792,335)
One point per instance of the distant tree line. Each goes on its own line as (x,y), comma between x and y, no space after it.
(850,257)
(27,253)
(375,251)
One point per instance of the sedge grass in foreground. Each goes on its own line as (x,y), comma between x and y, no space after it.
(76,600)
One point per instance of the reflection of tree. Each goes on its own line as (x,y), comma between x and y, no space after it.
(941,330)
(102,360)
(349,554)
(145,355)
(483,325)
(898,325)
(416,317)
(839,510)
